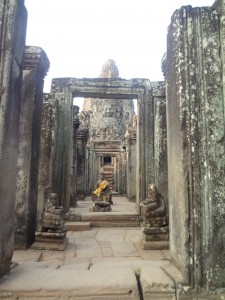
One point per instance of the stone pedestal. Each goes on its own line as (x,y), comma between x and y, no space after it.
(52,234)
(50,241)
(155,238)
(101,206)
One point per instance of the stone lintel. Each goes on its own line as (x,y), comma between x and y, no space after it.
(158,89)
(36,58)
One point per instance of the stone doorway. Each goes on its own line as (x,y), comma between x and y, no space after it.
(143,151)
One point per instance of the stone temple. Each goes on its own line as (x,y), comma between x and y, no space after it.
(109,123)
(165,159)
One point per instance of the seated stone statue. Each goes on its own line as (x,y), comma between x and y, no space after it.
(103,191)
(53,215)
(153,208)
(52,233)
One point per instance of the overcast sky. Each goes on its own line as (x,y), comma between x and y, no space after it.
(78,36)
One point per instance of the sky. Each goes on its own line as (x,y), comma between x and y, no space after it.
(79,36)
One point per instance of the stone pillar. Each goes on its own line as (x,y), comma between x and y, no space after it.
(145,144)
(76,124)
(46,159)
(63,155)
(196,145)
(131,136)
(13,19)
(81,154)
(160,139)
(35,66)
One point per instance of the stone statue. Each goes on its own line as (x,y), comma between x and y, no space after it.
(103,194)
(52,234)
(53,215)
(103,191)
(153,208)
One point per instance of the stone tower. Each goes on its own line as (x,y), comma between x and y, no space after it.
(108,117)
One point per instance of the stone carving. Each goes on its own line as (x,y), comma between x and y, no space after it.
(52,218)
(76,121)
(53,233)
(155,231)
(153,208)
(103,195)
(21,180)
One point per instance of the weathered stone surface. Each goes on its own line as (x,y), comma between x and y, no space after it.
(35,67)
(109,284)
(160,141)
(196,146)
(156,284)
(13,18)
(47,141)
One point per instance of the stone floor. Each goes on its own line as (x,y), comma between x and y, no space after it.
(100,263)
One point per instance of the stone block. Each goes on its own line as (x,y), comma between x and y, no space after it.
(50,245)
(77,226)
(155,245)
(156,284)
(156,237)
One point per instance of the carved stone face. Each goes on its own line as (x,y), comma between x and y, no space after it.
(108,111)
(53,199)
(152,191)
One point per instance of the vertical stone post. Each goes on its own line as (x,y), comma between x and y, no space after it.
(196,164)
(81,153)
(160,139)
(63,155)
(35,67)
(13,19)
(145,144)
(46,158)
(76,124)
(131,136)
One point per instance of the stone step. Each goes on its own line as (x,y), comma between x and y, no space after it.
(85,220)
(111,219)
(106,281)
(78,226)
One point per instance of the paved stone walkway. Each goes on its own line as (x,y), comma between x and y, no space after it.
(100,263)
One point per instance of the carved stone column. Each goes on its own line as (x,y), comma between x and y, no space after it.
(196,146)
(131,140)
(160,139)
(76,124)
(81,153)
(46,158)
(13,19)
(35,67)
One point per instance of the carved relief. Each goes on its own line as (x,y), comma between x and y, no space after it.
(21,181)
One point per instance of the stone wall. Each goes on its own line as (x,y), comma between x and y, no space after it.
(13,19)
(196,164)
